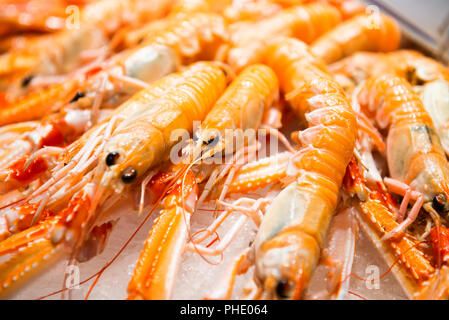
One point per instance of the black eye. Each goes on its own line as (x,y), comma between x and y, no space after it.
(140,40)
(212,141)
(224,72)
(111,158)
(282,289)
(412,76)
(129,175)
(78,95)
(26,81)
(439,202)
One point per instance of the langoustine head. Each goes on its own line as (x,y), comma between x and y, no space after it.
(286,249)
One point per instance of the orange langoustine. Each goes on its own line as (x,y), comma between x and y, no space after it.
(90,118)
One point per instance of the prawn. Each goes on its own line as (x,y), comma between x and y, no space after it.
(306,22)
(379,214)
(291,233)
(197,36)
(241,107)
(18,68)
(157,55)
(429,78)
(110,157)
(361,32)
(116,79)
(416,160)
(320,166)
(76,106)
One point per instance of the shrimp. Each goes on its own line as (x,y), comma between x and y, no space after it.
(114,155)
(38,104)
(356,68)
(429,78)
(305,22)
(156,90)
(291,233)
(17,68)
(416,160)
(362,32)
(379,214)
(157,55)
(416,68)
(78,105)
(374,208)
(329,143)
(241,107)
(419,170)
(193,37)
(116,79)
(339,249)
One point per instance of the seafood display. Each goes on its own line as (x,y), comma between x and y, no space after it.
(289,131)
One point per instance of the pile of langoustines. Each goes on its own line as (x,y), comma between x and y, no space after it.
(162,108)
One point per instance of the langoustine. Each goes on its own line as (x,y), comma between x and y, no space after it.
(306,22)
(180,196)
(415,158)
(429,78)
(241,107)
(124,151)
(362,32)
(63,51)
(82,97)
(292,231)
